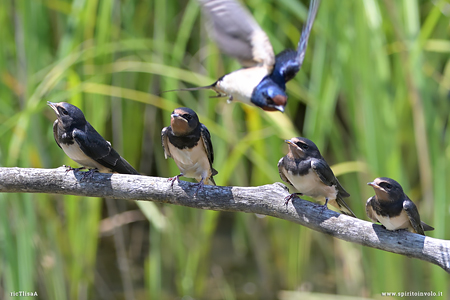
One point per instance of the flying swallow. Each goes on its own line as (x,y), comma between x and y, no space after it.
(83,144)
(188,142)
(262,81)
(306,170)
(391,207)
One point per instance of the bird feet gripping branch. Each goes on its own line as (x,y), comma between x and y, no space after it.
(291,197)
(172,179)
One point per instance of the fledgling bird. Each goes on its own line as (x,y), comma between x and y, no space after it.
(262,81)
(188,142)
(83,144)
(306,170)
(392,207)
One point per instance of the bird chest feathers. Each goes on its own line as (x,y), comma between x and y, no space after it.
(394,223)
(192,162)
(241,83)
(311,185)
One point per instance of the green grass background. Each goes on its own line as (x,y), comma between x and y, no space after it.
(373,93)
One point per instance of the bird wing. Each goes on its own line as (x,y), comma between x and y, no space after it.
(289,62)
(369,209)
(206,140)
(55,132)
(326,175)
(280,171)
(165,141)
(413,215)
(237,33)
(96,147)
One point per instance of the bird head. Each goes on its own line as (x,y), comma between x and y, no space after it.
(387,189)
(269,96)
(303,148)
(183,121)
(68,115)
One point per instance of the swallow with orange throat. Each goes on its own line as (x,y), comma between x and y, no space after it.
(307,171)
(392,207)
(188,142)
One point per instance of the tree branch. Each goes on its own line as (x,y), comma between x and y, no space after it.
(266,200)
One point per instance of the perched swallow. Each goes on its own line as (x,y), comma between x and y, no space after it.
(188,142)
(83,144)
(391,207)
(262,81)
(306,170)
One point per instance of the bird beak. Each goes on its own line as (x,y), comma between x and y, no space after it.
(54,107)
(279,108)
(178,117)
(374,185)
(291,143)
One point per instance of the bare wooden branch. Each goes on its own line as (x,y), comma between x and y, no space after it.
(266,200)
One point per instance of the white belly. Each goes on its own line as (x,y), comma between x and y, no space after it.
(74,152)
(192,163)
(241,83)
(399,222)
(311,185)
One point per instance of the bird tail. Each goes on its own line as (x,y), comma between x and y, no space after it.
(426,227)
(207,87)
(124,167)
(210,180)
(343,207)
(303,43)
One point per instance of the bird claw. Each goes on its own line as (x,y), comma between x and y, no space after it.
(325,206)
(88,174)
(291,197)
(199,188)
(69,168)
(172,179)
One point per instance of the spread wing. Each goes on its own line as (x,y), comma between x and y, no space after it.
(237,34)
(280,171)
(206,139)
(413,215)
(165,141)
(96,147)
(55,132)
(326,175)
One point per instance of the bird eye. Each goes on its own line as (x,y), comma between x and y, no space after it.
(187,117)
(386,185)
(64,112)
(303,146)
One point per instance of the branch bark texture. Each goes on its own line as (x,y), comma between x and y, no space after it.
(266,200)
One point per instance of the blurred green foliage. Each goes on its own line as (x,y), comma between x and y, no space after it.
(373,93)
